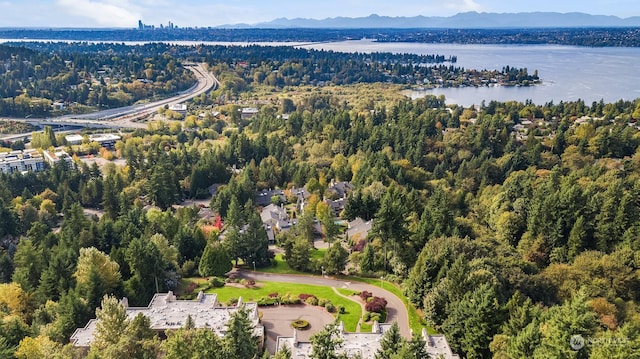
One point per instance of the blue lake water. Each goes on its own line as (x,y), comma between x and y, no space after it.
(568,73)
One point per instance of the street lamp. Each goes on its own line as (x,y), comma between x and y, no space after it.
(254,266)
(381,282)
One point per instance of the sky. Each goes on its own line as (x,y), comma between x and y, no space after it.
(203,13)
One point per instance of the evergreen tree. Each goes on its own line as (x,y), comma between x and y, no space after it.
(367,261)
(187,343)
(8,220)
(215,261)
(577,237)
(391,223)
(6,267)
(71,313)
(234,214)
(325,342)
(298,254)
(163,186)
(112,319)
(560,323)
(417,346)
(283,353)
(29,264)
(335,259)
(473,322)
(255,243)
(239,342)
(390,343)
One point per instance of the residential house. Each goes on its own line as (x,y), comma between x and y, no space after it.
(166,313)
(340,189)
(263,198)
(365,345)
(248,113)
(275,218)
(359,229)
(337,206)
(303,195)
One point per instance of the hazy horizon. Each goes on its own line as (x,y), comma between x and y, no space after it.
(202,13)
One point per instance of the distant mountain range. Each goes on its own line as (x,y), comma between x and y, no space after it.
(467,20)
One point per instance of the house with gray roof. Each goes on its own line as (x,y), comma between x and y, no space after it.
(275,218)
(263,198)
(365,345)
(359,228)
(167,313)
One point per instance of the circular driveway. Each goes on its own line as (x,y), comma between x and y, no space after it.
(277,322)
(396,310)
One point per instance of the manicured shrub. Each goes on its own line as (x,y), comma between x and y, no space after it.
(191,287)
(330,308)
(366,317)
(304,296)
(359,247)
(364,295)
(376,304)
(189,269)
(266,301)
(341,309)
(216,282)
(323,302)
(300,324)
(375,317)
(248,282)
(232,301)
(289,299)
(312,300)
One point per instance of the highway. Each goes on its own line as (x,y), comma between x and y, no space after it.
(126,117)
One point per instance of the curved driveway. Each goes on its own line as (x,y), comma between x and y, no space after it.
(396,310)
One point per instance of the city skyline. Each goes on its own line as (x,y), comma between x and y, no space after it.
(201,13)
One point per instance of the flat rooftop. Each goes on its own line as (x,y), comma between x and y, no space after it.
(165,312)
(366,344)
(104,137)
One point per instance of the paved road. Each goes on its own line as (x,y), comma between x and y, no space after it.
(125,117)
(396,311)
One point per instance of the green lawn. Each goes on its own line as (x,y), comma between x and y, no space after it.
(415,321)
(365,327)
(282,267)
(347,292)
(350,318)
(318,254)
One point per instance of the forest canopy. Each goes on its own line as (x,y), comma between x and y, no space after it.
(511,226)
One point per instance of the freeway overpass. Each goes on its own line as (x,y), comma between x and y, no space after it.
(125,117)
